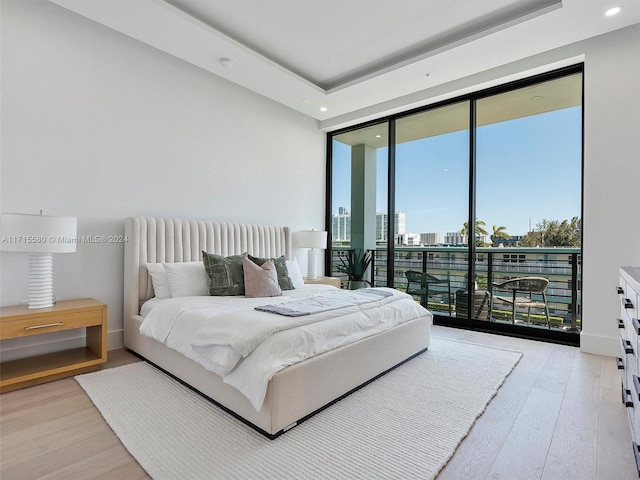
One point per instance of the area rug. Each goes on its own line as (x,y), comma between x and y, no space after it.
(406,424)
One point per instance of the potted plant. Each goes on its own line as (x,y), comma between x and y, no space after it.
(355,267)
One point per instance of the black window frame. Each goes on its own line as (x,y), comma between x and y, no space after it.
(472,98)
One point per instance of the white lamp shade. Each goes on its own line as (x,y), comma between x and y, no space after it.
(311,239)
(37,233)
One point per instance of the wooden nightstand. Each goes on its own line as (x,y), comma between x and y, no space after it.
(335,281)
(20,321)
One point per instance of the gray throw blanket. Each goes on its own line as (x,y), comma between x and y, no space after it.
(326,301)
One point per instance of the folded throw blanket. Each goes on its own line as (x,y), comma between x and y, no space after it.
(325,302)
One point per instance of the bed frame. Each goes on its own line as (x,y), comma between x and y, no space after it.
(296,392)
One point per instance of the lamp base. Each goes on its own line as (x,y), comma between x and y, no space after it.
(312,271)
(40,280)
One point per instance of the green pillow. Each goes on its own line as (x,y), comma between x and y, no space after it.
(281,267)
(225,274)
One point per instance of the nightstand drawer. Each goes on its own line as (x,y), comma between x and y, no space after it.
(52,323)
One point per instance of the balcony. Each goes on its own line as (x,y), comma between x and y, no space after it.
(561,266)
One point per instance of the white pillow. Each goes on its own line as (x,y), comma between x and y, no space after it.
(186,279)
(159,280)
(294,273)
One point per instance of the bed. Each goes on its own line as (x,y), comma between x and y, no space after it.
(296,391)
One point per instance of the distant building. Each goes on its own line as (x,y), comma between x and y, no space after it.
(513,241)
(455,238)
(341,225)
(408,239)
(382,225)
(430,238)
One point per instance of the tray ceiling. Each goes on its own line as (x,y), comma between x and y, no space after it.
(336,59)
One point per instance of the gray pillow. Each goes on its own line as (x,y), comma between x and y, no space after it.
(281,267)
(225,275)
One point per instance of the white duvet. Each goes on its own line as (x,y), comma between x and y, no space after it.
(247,347)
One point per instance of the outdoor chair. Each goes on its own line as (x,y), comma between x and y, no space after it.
(419,283)
(528,287)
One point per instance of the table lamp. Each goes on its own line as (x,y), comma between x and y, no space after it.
(314,240)
(40,236)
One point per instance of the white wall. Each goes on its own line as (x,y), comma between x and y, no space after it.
(611,180)
(99,126)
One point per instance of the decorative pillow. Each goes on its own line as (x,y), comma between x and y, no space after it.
(260,280)
(225,274)
(159,280)
(294,273)
(281,268)
(186,279)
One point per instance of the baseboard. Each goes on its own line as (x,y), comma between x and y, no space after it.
(115,339)
(598,345)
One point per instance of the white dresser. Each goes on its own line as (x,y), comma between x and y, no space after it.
(629,356)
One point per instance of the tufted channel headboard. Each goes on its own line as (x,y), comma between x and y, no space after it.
(151,240)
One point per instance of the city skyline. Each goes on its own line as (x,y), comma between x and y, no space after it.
(527,170)
(341,228)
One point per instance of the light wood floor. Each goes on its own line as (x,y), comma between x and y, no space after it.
(558,416)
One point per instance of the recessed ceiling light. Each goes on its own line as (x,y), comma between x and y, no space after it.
(427,74)
(323,109)
(226,62)
(378,136)
(610,12)
(536,97)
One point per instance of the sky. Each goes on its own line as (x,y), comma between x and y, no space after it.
(528,169)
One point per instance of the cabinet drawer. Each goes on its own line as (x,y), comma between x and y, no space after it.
(631,385)
(634,340)
(622,355)
(625,346)
(629,299)
(634,413)
(627,397)
(628,308)
(50,323)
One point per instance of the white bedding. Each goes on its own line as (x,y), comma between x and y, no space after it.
(226,335)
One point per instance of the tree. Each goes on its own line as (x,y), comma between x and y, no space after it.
(555,233)
(531,239)
(499,233)
(480,231)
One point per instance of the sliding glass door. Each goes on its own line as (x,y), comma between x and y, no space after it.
(529,201)
(431,198)
(473,205)
(359,180)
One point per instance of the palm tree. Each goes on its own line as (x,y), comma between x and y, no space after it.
(498,233)
(480,231)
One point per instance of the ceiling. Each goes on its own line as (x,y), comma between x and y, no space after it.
(332,58)
(334,43)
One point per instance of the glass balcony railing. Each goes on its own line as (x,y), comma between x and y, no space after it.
(560,266)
